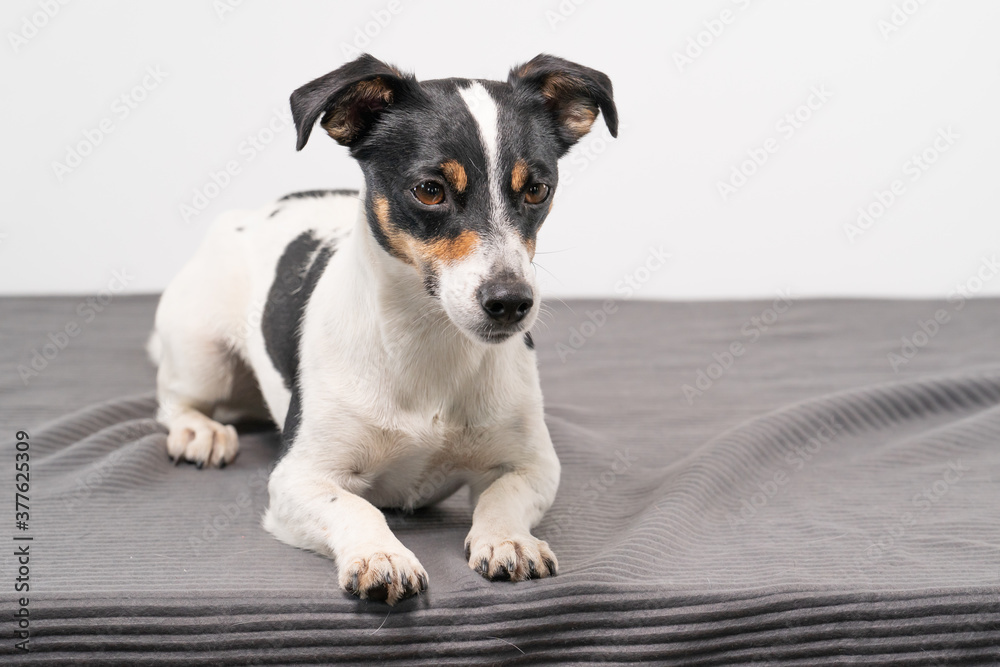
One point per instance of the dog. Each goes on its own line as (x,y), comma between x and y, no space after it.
(387,331)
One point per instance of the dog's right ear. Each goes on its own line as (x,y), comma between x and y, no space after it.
(350,99)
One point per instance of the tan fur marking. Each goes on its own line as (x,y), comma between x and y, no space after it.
(519,175)
(420,254)
(340,124)
(525,69)
(399,244)
(455,173)
(451,250)
(530,245)
(579,120)
(567,95)
(381,206)
(558,87)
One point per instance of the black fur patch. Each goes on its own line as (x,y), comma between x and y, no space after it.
(299,268)
(315,194)
(528,340)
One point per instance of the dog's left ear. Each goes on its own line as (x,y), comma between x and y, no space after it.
(572,93)
(350,99)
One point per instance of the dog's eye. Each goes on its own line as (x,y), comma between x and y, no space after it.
(429,193)
(537,193)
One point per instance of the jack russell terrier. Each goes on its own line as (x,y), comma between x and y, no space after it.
(389,329)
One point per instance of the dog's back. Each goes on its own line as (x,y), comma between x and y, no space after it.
(221,293)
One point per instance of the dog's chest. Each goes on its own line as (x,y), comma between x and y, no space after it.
(421,464)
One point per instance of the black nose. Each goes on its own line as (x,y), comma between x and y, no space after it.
(506,302)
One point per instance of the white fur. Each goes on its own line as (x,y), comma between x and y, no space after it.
(501,251)
(484,111)
(400,406)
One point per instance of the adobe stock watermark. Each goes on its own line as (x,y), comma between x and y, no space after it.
(121,108)
(98,475)
(913,170)
(85,486)
(712,30)
(562,12)
(246,152)
(796,459)
(629,284)
(594,489)
(227,513)
(32,24)
(290,284)
(57,341)
(365,34)
(786,127)
(900,15)
(223,8)
(249,324)
(922,503)
(722,362)
(587,151)
(926,329)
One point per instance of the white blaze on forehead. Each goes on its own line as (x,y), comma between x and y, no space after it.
(505,248)
(484,111)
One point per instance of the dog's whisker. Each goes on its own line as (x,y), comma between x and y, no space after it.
(563,302)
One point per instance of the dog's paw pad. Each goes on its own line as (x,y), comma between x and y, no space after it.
(505,558)
(384,577)
(196,438)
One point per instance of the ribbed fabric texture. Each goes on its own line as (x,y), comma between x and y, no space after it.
(812,505)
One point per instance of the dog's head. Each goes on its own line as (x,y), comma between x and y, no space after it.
(460,174)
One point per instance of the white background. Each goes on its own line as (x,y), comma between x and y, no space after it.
(684,129)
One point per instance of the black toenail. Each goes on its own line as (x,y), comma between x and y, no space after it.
(201,464)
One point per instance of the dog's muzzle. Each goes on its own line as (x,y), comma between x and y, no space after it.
(505,303)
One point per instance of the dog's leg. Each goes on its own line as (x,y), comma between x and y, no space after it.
(500,545)
(197,315)
(194,376)
(310,511)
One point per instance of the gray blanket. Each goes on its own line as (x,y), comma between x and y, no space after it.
(740,485)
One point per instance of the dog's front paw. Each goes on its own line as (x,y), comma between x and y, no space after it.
(509,557)
(196,438)
(386,575)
